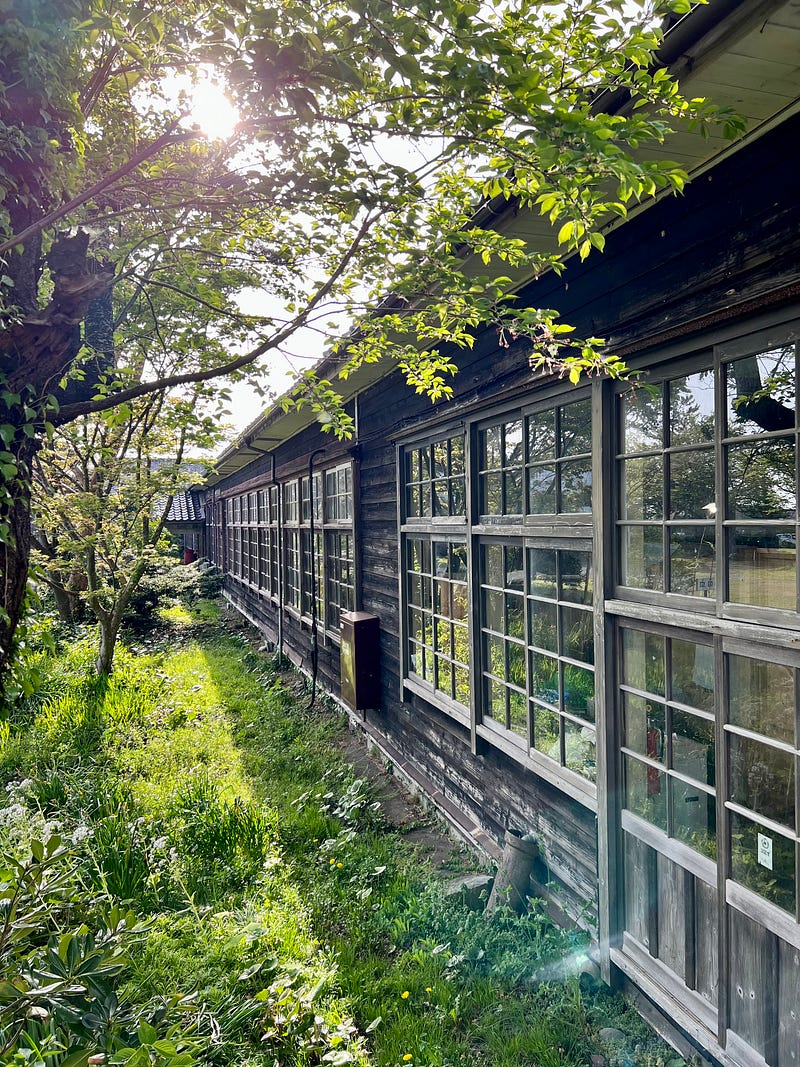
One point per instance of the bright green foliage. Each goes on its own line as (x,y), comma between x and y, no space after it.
(377,143)
(105,487)
(306,930)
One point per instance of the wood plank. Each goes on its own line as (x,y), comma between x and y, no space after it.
(706,942)
(638,904)
(673,905)
(753,984)
(788,1005)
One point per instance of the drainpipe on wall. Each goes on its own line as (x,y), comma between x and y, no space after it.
(280,559)
(312,549)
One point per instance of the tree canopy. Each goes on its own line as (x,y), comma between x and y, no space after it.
(371,133)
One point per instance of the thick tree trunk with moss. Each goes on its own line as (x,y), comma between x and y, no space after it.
(35,353)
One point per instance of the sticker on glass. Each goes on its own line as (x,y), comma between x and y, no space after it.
(765,851)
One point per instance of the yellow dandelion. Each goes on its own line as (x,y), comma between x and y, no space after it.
(338,865)
(405,994)
(428,988)
(407,1057)
(332,862)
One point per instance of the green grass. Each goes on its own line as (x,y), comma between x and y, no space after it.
(196,786)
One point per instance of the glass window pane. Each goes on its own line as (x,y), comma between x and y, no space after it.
(763,861)
(456,455)
(444,676)
(462,685)
(646,792)
(493,564)
(494,610)
(513,485)
(576,577)
(691,408)
(545,732)
(516,664)
(579,691)
(491,493)
(576,488)
(643,557)
(644,723)
(642,425)
(544,678)
(762,779)
(494,655)
(440,460)
(762,697)
(542,572)
(513,444)
(693,747)
(457,505)
(518,712)
(693,562)
(542,491)
(761,392)
(543,625)
(643,660)
(642,481)
(691,485)
(761,480)
(576,428)
(542,435)
(692,671)
(490,448)
(577,629)
(694,817)
(515,615)
(579,749)
(762,566)
(515,576)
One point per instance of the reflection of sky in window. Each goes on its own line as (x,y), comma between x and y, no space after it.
(691,408)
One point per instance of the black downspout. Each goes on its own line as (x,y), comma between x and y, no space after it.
(312,549)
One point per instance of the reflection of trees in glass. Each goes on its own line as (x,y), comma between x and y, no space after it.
(761,392)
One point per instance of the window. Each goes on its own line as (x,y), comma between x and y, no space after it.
(732,425)
(668,502)
(667,699)
(533,637)
(436,584)
(319,563)
(505,696)
(559,460)
(762,776)
(559,596)
(500,469)
(339,575)
(434,479)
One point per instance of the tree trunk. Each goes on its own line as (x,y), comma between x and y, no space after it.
(15,549)
(109,631)
(64,603)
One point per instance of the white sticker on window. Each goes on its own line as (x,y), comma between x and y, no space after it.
(765,851)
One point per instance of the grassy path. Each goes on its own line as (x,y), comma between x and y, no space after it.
(302,927)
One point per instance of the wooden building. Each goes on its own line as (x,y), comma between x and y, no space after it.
(587,596)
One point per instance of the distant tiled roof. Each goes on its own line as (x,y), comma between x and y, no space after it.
(187,507)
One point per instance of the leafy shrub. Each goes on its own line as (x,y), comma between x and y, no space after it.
(179,584)
(58,994)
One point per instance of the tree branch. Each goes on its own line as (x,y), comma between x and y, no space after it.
(166,140)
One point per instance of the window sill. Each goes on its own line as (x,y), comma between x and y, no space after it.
(561,778)
(422,689)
